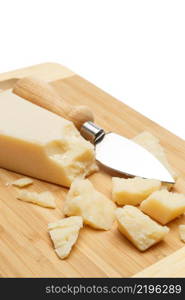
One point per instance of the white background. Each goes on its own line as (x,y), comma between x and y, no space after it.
(133,49)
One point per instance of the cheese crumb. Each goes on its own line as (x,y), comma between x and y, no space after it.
(164,206)
(64,234)
(182,232)
(45,199)
(22,182)
(133,190)
(142,231)
(95,208)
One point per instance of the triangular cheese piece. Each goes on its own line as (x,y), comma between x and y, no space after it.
(64,234)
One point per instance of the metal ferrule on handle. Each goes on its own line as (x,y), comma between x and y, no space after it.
(92,132)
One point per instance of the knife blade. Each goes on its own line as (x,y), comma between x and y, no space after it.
(112,150)
(130,159)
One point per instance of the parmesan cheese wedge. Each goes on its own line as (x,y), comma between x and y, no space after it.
(142,231)
(95,208)
(22,182)
(182,232)
(133,190)
(64,234)
(40,144)
(164,206)
(45,199)
(152,144)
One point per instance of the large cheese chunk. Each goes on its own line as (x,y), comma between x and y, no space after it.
(152,144)
(164,206)
(95,208)
(40,144)
(142,231)
(64,234)
(45,199)
(133,190)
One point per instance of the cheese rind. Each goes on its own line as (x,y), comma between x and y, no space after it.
(40,144)
(95,208)
(142,231)
(133,190)
(182,232)
(45,199)
(22,182)
(152,144)
(164,206)
(64,234)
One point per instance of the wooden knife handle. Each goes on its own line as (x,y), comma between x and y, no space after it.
(43,94)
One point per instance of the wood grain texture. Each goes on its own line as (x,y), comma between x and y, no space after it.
(170,266)
(25,247)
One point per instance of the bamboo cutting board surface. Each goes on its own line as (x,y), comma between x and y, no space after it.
(25,247)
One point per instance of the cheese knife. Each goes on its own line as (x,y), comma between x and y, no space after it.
(112,150)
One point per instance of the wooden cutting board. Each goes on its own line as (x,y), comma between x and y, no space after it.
(25,247)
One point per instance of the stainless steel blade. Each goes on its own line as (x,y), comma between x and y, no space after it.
(125,156)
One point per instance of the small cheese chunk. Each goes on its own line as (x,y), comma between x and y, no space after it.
(182,232)
(64,234)
(133,190)
(152,144)
(95,208)
(142,231)
(45,199)
(164,206)
(41,144)
(22,182)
